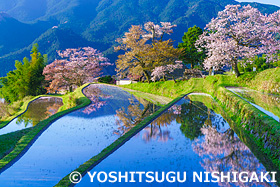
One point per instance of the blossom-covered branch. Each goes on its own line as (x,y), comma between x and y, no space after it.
(76,67)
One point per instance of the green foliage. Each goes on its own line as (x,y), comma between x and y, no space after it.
(26,79)
(259,63)
(192,56)
(107,79)
(192,119)
(267,81)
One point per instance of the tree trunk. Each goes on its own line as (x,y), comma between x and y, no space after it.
(147,76)
(173,79)
(235,68)
(210,71)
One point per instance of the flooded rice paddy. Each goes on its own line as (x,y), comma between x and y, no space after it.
(76,137)
(189,137)
(37,111)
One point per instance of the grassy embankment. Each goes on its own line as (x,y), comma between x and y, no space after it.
(242,134)
(265,81)
(26,138)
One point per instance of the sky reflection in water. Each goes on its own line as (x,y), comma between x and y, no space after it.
(188,137)
(72,139)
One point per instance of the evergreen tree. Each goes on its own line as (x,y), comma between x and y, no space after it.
(26,79)
(191,56)
(36,76)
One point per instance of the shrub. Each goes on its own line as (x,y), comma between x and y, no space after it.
(107,79)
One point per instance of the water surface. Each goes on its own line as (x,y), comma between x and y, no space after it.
(76,137)
(37,111)
(189,138)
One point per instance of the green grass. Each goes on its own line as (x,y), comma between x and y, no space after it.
(172,90)
(27,139)
(267,81)
(9,141)
(156,99)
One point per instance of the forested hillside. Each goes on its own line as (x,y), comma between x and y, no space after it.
(61,24)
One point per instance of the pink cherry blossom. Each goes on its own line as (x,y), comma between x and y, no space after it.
(76,67)
(237,33)
(162,71)
(154,31)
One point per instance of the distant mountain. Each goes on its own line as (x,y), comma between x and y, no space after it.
(60,24)
(15,35)
(50,41)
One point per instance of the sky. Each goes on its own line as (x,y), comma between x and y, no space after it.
(272,2)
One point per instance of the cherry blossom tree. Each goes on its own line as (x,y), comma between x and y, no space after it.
(76,67)
(156,31)
(237,33)
(163,71)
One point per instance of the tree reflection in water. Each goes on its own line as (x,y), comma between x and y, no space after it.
(218,146)
(192,117)
(155,132)
(94,94)
(135,113)
(39,110)
(223,151)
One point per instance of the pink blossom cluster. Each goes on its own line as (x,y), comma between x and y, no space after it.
(76,67)
(94,94)
(175,109)
(161,71)
(237,33)
(157,31)
(225,152)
